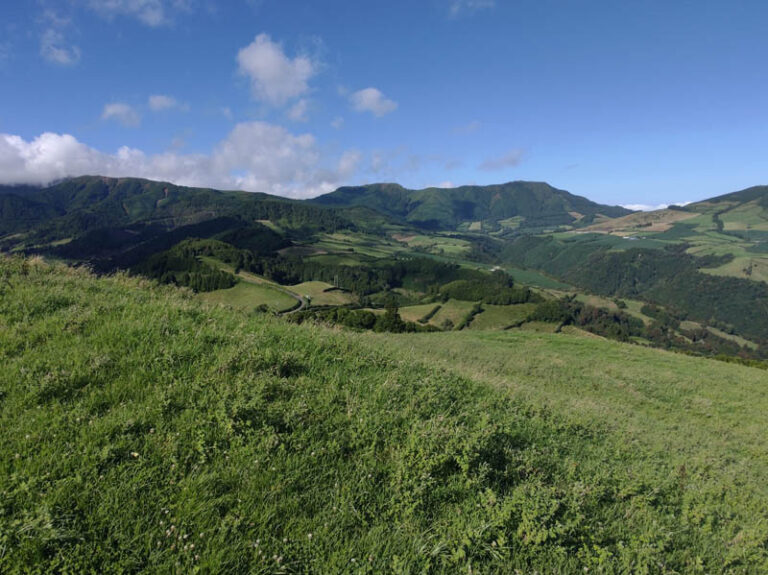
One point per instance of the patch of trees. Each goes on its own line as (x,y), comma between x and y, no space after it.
(418,274)
(663,332)
(668,277)
(494,290)
(182,268)
(360,319)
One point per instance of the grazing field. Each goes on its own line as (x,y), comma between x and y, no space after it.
(539,327)
(501,316)
(749,266)
(321,293)
(416,312)
(144,431)
(248,296)
(358,243)
(534,278)
(437,244)
(451,313)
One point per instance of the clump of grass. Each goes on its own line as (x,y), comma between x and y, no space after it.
(143,431)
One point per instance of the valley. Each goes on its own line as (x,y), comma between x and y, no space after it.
(435,258)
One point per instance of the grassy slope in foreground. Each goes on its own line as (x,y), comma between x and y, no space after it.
(141,431)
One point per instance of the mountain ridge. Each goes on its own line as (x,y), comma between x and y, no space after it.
(537,203)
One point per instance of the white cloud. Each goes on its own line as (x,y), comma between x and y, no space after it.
(121,112)
(508,160)
(337,123)
(372,100)
(447,184)
(153,13)
(55,49)
(298,112)
(349,162)
(255,156)
(160,102)
(275,78)
(458,7)
(652,207)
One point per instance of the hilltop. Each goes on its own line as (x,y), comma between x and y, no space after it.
(143,430)
(511,205)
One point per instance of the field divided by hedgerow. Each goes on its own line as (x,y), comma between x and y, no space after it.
(144,431)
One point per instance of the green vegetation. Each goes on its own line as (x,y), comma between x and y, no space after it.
(502,316)
(145,432)
(529,204)
(248,296)
(705,263)
(321,293)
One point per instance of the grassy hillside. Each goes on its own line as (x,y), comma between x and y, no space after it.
(143,431)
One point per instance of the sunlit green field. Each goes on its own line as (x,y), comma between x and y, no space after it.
(145,431)
(319,293)
(501,316)
(416,312)
(248,296)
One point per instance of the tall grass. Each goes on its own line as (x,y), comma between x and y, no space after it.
(142,431)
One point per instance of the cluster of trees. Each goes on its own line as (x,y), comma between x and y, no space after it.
(419,274)
(180,266)
(664,332)
(497,290)
(669,277)
(360,319)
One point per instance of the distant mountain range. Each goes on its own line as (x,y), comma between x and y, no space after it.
(707,261)
(533,204)
(111,201)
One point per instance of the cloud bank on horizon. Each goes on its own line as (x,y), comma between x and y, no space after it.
(298,99)
(255,156)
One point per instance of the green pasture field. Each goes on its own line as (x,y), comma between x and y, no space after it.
(416,312)
(453,310)
(248,296)
(319,294)
(438,244)
(358,243)
(145,431)
(501,316)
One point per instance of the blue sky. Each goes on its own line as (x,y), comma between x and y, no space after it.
(645,102)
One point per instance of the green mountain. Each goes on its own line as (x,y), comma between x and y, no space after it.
(706,263)
(96,218)
(526,204)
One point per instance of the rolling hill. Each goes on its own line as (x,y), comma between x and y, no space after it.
(706,263)
(142,430)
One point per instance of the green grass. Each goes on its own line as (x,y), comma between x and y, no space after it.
(452,311)
(144,431)
(438,244)
(531,277)
(501,316)
(319,294)
(416,312)
(358,243)
(248,296)
(336,259)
